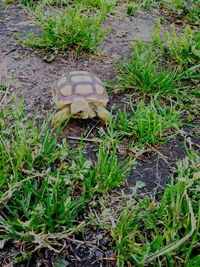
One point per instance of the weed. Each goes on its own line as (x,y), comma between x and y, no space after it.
(188,10)
(181,7)
(103,5)
(28,3)
(132,9)
(3,87)
(185,50)
(57,2)
(87,3)
(68,28)
(147,4)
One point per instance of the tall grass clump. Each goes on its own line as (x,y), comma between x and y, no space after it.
(45,185)
(163,68)
(164,233)
(147,123)
(34,194)
(144,73)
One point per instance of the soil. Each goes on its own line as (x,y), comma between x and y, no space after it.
(32,78)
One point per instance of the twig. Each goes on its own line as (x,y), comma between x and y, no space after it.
(10,51)
(104,259)
(175,245)
(83,243)
(91,129)
(95,140)
(163,157)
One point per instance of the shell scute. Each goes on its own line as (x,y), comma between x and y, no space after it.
(66,90)
(79,84)
(82,78)
(61,81)
(84,89)
(79,72)
(99,89)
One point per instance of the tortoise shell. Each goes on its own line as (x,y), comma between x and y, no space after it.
(79,85)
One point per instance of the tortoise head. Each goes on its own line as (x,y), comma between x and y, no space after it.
(81,109)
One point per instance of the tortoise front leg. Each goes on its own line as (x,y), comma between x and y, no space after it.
(61,116)
(103,114)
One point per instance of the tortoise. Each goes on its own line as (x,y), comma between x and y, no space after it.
(79,94)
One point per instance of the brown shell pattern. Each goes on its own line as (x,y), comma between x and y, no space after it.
(79,84)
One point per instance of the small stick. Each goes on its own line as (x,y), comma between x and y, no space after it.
(86,243)
(85,139)
(91,130)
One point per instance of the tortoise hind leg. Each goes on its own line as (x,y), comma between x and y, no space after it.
(61,116)
(103,114)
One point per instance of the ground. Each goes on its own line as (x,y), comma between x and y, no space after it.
(32,78)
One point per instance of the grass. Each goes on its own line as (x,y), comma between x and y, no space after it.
(145,124)
(159,233)
(141,73)
(188,10)
(3,87)
(103,5)
(164,68)
(44,184)
(132,10)
(52,192)
(100,4)
(45,187)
